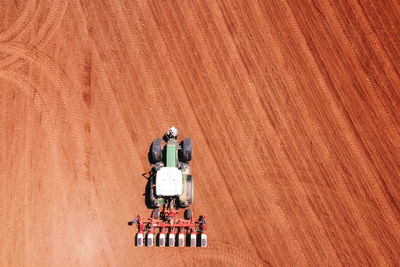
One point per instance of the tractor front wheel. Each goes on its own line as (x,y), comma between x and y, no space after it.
(156,150)
(187,150)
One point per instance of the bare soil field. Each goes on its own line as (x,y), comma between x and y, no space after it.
(293,107)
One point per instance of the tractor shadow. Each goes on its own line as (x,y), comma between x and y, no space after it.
(149,176)
(149,155)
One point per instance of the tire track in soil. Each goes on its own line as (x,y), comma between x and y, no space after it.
(291,169)
(28,27)
(341,121)
(298,184)
(25,18)
(53,130)
(354,142)
(69,96)
(271,190)
(146,79)
(383,114)
(51,24)
(57,77)
(307,219)
(108,96)
(185,93)
(12,205)
(192,105)
(45,32)
(146,75)
(250,123)
(364,158)
(326,96)
(172,82)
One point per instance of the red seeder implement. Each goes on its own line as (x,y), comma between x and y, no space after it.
(169,223)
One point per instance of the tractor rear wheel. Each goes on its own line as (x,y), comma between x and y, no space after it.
(188,214)
(187,198)
(187,149)
(190,187)
(153,200)
(156,150)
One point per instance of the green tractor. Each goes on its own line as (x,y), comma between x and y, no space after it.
(171,189)
(172,181)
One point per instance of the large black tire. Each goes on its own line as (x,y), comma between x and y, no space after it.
(153,200)
(187,150)
(190,189)
(156,150)
(188,201)
(188,214)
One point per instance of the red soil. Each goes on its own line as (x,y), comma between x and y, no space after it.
(293,109)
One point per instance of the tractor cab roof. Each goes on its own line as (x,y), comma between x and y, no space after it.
(169,182)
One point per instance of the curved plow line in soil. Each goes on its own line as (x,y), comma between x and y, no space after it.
(45,32)
(49,125)
(49,27)
(25,18)
(49,122)
(70,97)
(41,62)
(28,25)
(54,131)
